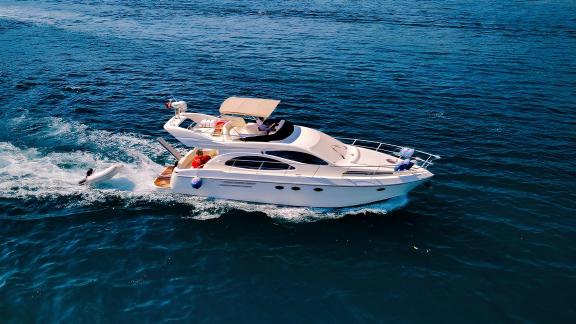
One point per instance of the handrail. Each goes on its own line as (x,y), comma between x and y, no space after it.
(424,157)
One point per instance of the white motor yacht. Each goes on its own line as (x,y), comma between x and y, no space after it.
(245,155)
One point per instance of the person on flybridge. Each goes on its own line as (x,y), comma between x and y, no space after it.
(261,126)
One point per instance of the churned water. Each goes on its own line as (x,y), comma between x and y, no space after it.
(488,85)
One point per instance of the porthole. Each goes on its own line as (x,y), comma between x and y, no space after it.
(279,187)
(380,189)
(318,189)
(296,188)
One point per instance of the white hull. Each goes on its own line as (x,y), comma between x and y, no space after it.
(325,193)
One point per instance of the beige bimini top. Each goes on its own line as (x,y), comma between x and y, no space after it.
(248,107)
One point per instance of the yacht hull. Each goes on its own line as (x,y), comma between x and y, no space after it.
(292,194)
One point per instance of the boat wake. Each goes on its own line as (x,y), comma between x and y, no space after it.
(41,174)
(26,172)
(301,214)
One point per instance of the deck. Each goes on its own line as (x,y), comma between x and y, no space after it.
(163,179)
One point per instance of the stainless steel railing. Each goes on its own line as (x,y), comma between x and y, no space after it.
(424,159)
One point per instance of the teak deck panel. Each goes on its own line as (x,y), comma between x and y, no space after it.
(163,180)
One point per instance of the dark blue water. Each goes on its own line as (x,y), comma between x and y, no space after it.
(488,85)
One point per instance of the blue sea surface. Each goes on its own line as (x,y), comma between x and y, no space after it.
(488,85)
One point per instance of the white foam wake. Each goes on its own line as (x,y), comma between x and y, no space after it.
(31,172)
(26,172)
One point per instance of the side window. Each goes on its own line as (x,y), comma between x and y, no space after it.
(298,157)
(257,163)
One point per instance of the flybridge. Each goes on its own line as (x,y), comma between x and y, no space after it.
(230,127)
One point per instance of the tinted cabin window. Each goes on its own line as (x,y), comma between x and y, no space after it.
(257,162)
(298,157)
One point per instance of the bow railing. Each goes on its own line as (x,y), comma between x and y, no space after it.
(423,159)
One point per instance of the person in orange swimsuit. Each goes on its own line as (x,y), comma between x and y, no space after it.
(200,159)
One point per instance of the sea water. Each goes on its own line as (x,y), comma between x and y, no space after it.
(489,86)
